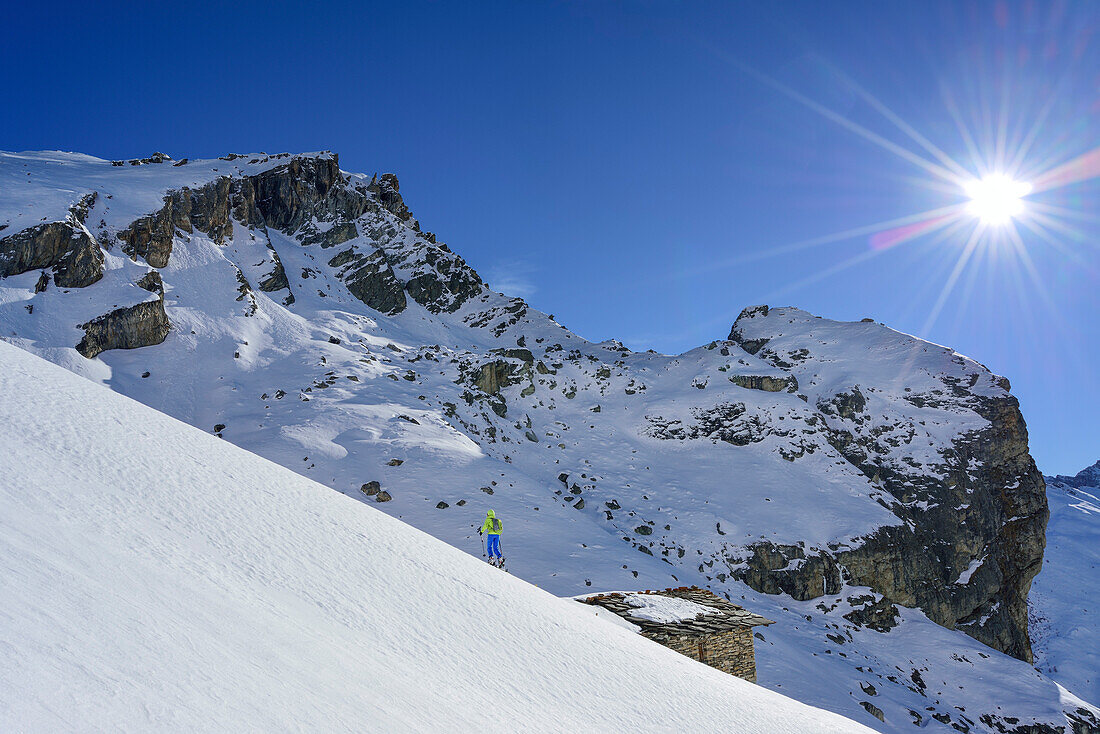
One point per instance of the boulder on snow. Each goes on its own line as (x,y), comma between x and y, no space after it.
(66,246)
(873,710)
(141,325)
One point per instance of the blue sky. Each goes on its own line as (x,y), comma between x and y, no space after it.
(644,170)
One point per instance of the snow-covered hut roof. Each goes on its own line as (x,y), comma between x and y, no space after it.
(687,610)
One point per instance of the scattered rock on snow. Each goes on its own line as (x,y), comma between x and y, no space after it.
(873,710)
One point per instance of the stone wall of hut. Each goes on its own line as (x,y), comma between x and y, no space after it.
(731,652)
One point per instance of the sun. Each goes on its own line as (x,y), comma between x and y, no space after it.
(996,199)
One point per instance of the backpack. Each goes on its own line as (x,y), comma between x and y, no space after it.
(495,525)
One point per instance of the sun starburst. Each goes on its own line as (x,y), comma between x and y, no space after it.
(991,193)
(996,199)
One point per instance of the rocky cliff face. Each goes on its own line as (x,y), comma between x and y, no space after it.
(64,247)
(310,199)
(144,324)
(974,508)
(380,260)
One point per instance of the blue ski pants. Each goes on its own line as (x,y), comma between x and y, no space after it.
(492,546)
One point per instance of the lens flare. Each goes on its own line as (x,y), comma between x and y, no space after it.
(1013,172)
(996,199)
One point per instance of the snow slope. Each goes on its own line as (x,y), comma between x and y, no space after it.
(1065,598)
(156,578)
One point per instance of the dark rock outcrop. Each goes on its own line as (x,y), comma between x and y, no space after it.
(766,383)
(522,354)
(276,279)
(306,197)
(141,325)
(512,367)
(496,375)
(445,286)
(296,197)
(770,570)
(67,247)
(152,282)
(287,196)
(370,279)
(388,188)
(752,346)
(283,197)
(873,710)
(879,615)
(334,235)
(726,422)
(309,198)
(205,209)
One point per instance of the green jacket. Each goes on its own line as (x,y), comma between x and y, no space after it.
(491,526)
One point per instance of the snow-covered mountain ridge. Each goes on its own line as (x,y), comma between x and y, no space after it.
(301,313)
(1087,477)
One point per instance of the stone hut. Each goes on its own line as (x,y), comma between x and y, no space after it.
(693,622)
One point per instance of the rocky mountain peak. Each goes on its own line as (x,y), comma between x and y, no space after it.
(387,187)
(977,498)
(1087,477)
(381,255)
